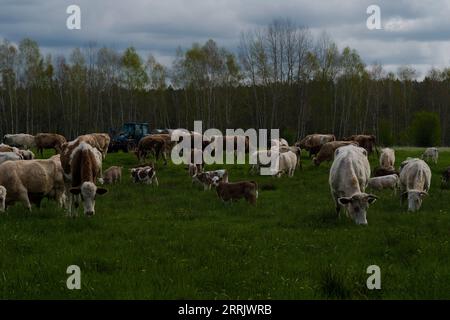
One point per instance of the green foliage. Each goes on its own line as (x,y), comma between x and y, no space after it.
(385,136)
(425,129)
(134,71)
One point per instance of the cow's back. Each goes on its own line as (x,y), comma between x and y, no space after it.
(416,175)
(37,176)
(350,171)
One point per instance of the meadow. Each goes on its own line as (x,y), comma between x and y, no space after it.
(177,241)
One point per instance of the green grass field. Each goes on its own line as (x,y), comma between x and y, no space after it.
(179,242)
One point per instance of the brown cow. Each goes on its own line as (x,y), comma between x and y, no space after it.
(85,168)
(380,171)
(49,141)
(314,142)
(68,148)
(326,153)
(102,141)
(152,144)
(367,142)
(237,190)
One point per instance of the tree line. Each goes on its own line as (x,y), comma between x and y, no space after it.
(280,77)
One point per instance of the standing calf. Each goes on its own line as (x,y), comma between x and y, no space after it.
(237,190)
(112,175)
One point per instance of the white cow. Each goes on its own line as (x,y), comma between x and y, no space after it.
(387,158)
(415,178)
(287,163)
(9,156)
(349,176)
(432,153)
(21,140)
(391,181)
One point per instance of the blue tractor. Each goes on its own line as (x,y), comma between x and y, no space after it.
(128,137)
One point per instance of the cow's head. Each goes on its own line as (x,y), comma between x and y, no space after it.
(415,198)
(88,192)
(2,199)
(357,206)
(316,161)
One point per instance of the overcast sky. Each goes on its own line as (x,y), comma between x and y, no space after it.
(414,32)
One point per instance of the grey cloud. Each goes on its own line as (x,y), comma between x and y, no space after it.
(422,36)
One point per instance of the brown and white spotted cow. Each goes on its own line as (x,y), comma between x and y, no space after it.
(146,174)
(209,178)
(85,169)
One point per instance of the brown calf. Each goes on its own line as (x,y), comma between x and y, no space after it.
(237,190)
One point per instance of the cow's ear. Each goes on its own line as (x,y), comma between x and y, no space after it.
(344,200)
(371,198)
(101,191)
(75,191)
(423,194)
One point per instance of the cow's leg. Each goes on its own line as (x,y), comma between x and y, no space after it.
(156,181)
(23,196)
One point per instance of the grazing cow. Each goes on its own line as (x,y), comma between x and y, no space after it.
(30,181)
(326,153)
(112,175)
(296,150)
(20,140)
(237,190)
(349,176)
(415,178)
(49,141)
(9,156)
(387,158)
(85,166)
(287,163)
(209,178)
(432,153)
(379,172)
(314,142)
(391,181)
(367,142)
(145,175)
(2,199)
(102,141)
(152,144)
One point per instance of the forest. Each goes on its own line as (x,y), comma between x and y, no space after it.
(280,76)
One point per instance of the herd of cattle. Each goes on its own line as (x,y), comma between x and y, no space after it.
(74,175)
